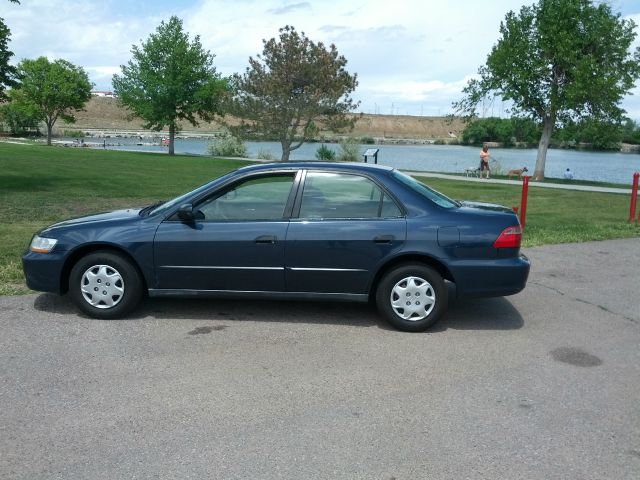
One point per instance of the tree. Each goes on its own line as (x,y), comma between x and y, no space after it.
(294,82)
(19,115)
(504,130)
(630,132)
(7,72)
(170,79)
(52,90)
(597,135)
(559,60)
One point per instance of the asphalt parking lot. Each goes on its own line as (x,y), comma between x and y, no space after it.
(541,385)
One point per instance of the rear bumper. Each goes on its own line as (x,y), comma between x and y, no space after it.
(43,271)
(495,278)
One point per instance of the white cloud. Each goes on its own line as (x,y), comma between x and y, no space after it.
(413,54)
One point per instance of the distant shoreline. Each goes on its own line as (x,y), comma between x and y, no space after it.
(153,136)
(103,117)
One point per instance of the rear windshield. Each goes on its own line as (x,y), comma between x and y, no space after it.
(420,188)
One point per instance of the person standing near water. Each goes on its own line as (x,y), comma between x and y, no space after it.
(484,160)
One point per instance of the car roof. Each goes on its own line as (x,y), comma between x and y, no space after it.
(344,166)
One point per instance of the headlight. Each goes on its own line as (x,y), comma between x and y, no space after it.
(42,244)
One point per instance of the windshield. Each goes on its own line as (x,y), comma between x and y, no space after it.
(418,187)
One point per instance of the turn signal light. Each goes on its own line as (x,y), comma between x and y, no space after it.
(511,237)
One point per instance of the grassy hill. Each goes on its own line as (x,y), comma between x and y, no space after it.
(106,113)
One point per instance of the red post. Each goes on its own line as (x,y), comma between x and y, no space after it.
(634,198)
(523,201)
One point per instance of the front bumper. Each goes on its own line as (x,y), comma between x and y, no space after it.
(43,271)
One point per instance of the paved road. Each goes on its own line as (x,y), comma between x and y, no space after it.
(541,385)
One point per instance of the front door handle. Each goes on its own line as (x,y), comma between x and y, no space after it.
(384,239)
(267,239)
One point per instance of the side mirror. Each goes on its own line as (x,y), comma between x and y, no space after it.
(185,213)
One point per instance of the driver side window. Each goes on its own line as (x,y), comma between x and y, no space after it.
(263,198)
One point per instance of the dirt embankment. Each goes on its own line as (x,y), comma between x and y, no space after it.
(106,114)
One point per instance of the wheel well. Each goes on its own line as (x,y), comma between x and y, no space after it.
(410,259)
(81,252)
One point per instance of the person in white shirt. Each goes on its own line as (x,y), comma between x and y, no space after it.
(568,174)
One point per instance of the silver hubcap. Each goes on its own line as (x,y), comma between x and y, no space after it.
(102,286)
(413,298)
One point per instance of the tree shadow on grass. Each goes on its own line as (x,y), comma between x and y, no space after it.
(472,314)
(25,183)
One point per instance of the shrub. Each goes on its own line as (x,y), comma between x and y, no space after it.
(264,154)
(325,153)
(73,133)
(227,146)
(349,150)
(367,140)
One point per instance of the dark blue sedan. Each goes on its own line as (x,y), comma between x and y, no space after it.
(303,230)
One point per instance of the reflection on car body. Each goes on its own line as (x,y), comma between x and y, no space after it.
(302,230)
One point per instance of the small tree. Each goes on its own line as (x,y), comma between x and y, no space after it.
(170,79)
(559,60)
(294,82)
(52,90)
(324,153)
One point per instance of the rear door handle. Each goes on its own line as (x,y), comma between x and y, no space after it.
(384,239)
(267,239)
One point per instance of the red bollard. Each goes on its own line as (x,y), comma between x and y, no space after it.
(523,201)
(634,198)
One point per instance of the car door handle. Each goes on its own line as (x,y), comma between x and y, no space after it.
(267,239)
(384,239)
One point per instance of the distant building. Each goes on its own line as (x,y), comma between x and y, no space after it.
(104,94)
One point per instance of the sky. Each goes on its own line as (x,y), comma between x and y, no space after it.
(412,57)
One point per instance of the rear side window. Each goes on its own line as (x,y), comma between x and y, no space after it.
(337,195)
(429,193)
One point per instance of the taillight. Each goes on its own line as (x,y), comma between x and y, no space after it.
(511,237)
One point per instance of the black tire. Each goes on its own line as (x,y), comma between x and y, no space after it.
(423,291)
(105,285)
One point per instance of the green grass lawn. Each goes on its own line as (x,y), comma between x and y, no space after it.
(40,185)
(553,215)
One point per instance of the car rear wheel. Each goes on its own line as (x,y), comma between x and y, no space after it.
(105,285)
(412,297)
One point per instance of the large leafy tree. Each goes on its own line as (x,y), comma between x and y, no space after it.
(169,79)
(294,83)
(7,72)
(556,61)
(52,90)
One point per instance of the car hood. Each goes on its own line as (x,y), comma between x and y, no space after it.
(115,216)
(493,207)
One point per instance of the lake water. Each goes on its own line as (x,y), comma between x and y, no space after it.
(596,166)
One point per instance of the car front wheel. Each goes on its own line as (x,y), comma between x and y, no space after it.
(412,297)
(105,285)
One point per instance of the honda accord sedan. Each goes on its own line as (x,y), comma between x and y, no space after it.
(307,230)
